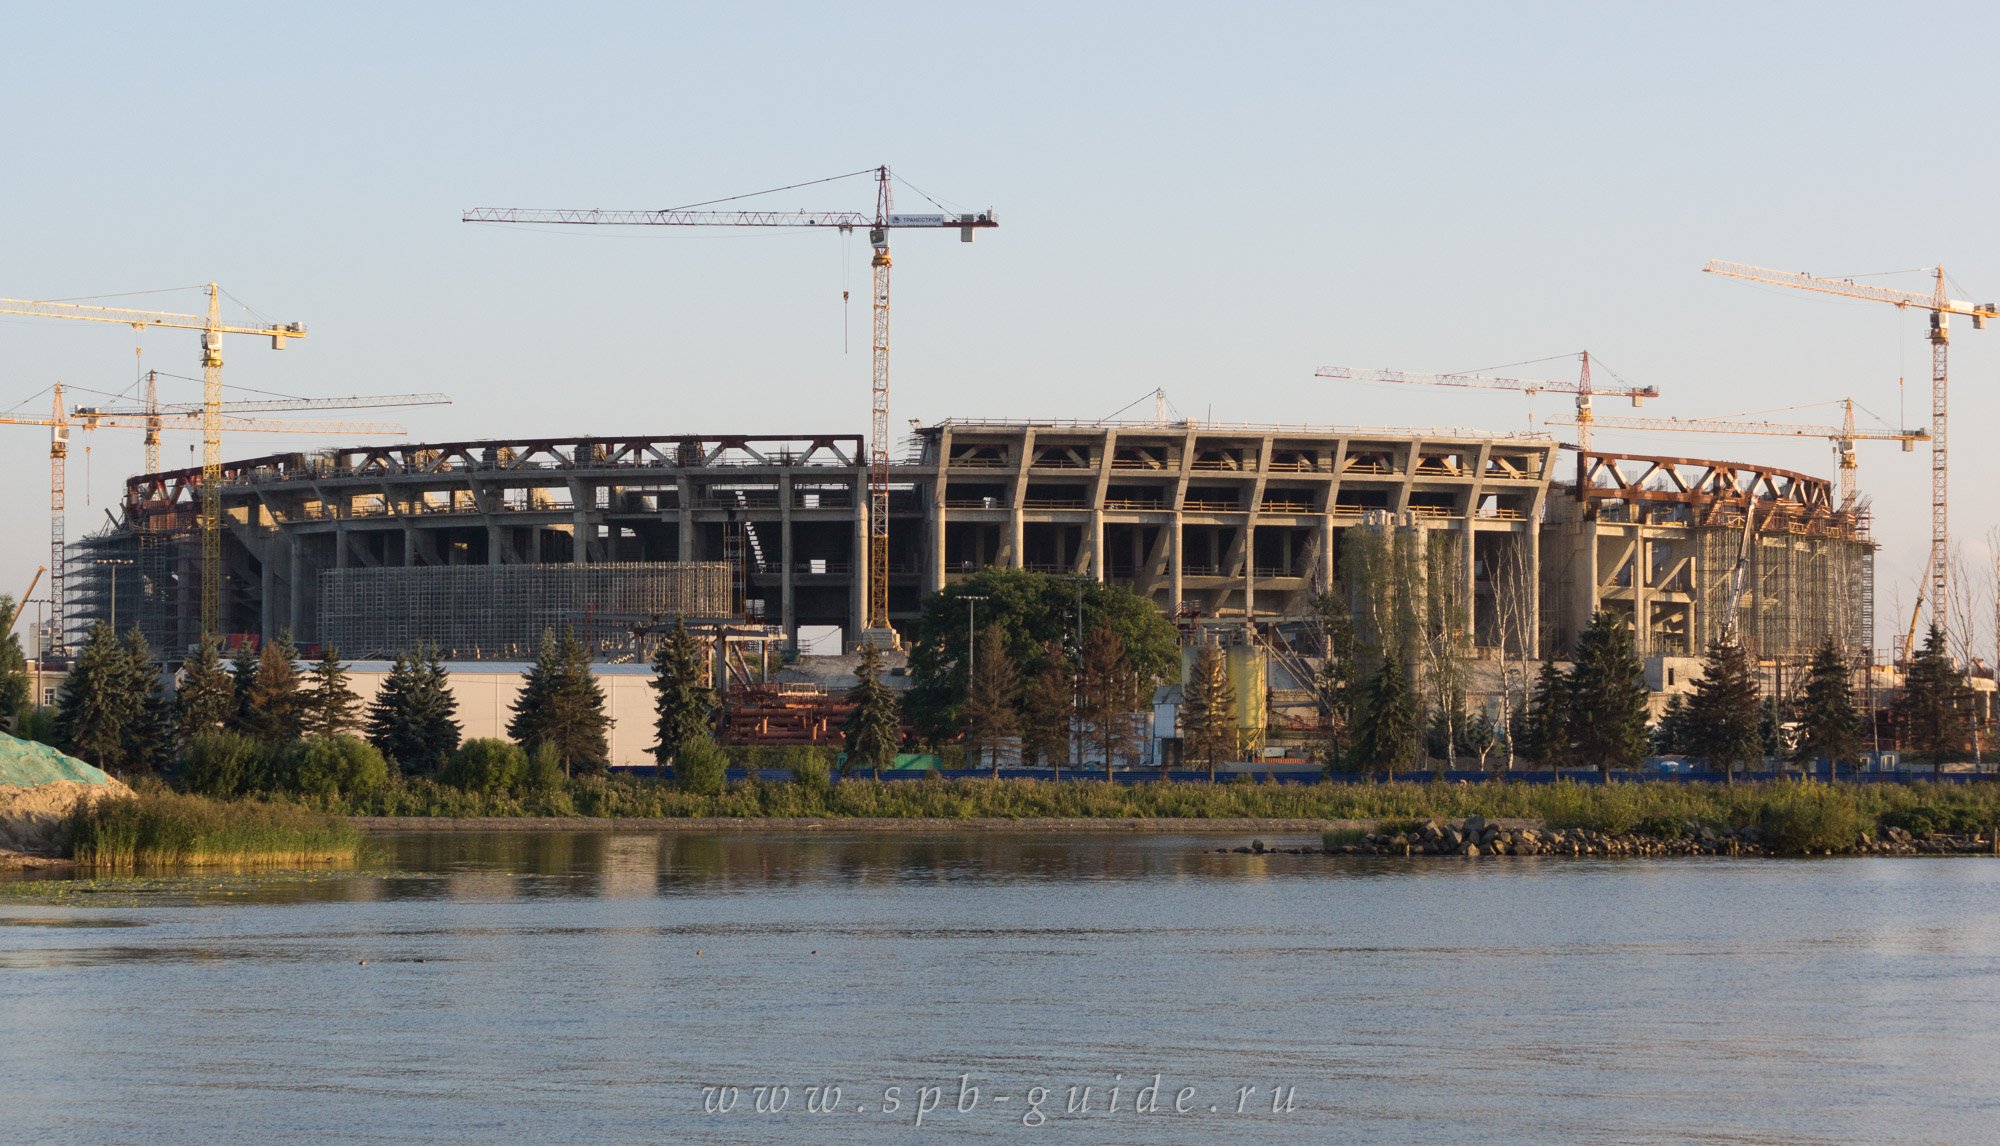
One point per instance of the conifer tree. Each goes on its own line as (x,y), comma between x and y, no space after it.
(561,704)
(1208,710)
(993,700)
(1048,708)
(243,675)
(205,699)
(1829,727)
(1542,734)
(412,716)
(1724,716)
(329,703)
(97,701)
(1107,693)
(149,735)
(874,729)
(1387,735)
(1935,708)
(276,704)
(1670,734)
(1343,676)
(14,680)
(1606,697)
(683,704)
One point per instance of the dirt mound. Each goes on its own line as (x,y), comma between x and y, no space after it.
(31,818)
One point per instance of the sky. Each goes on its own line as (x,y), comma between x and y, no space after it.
(1211,200)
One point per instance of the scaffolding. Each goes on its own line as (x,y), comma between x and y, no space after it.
(499,612)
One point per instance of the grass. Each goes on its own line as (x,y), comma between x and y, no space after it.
(161,828)
(1805,816)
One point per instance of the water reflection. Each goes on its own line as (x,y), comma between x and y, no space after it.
(587,984)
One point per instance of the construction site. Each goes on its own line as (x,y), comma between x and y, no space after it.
(775,543)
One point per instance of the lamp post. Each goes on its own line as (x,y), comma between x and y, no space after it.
(114,562)
(971,635)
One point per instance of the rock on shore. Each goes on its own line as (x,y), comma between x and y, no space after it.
(1476,837)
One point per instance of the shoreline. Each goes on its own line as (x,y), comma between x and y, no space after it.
(783,824)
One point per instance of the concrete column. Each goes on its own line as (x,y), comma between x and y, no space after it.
(788,616)
(934,579)
(684,547)
(1175,560)
(1467,565)
(858,598)
(1532,592)
(1017,518)
(1326,564)
(266,583)
(297,595)
(496,544)
(1250,565)
(1099,564)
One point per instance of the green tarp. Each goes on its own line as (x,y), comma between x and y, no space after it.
(27,764)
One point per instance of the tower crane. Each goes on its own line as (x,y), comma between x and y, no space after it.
(61,420)
(1842,436)
(1941,308)
(1582,388)
(212,329)
(884,220)
(155,413)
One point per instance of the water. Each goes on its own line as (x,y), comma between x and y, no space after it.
(589,986)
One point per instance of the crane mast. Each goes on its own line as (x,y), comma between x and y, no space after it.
(211,328)
(884,220)
(878,422)
(62,420)
(1941,308)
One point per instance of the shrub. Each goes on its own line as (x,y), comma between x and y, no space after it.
(700,767)
(544,772)
(490,765)
(1799,819)
(37,724)
(811,770)
(220,764)
(332,766)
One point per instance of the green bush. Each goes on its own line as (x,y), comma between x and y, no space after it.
(1808,817)
(700,767)
(545,772)
(490,765)
(35,723)
(331,766)
(221,764)
(811,769)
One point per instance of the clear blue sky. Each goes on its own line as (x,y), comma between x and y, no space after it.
(1215,200)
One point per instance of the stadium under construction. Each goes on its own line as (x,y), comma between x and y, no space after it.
(478,546)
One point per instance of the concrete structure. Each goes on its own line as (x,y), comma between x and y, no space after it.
(1658,540)
(1217,522)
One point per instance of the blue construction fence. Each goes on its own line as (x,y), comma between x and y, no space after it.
(1303,777)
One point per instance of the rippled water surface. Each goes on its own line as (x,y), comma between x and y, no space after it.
(590,986)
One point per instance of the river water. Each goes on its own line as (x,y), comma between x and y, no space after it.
(582,986)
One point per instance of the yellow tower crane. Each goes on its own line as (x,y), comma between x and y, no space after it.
(157,414)
(212,329)
(1582,388)
(1842,436)
(1941,308)
(62,420)
(885,219)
